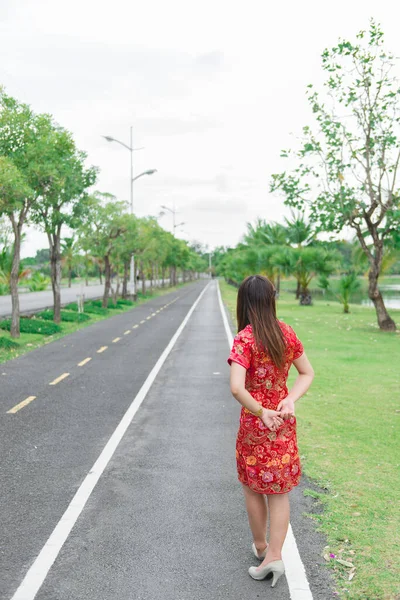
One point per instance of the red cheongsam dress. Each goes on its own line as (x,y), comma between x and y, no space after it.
(267,461)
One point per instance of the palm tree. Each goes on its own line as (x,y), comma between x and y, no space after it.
(6,260)
(299,232)
(304,264)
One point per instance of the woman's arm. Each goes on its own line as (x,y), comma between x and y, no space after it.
(270,418)
(300,386)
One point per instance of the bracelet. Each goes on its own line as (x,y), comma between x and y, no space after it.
(259,413)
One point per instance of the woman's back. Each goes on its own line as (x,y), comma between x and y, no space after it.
(264,380)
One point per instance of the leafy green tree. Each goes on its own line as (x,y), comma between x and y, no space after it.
(348,172)
(16,198)
(100,228)
(63,200)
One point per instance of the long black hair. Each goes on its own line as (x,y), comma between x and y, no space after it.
(256,306)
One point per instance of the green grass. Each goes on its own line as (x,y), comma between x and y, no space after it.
(347,425)
(30,341)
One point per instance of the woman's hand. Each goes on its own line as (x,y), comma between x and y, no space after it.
(271,419)
(286,408)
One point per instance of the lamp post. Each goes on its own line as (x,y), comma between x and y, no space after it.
(173,211)
(132,282)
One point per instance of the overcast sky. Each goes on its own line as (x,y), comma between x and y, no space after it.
(213,89)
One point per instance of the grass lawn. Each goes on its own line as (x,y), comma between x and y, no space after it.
(28,341)
(348,427)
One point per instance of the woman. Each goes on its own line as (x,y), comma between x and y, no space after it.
(267,456)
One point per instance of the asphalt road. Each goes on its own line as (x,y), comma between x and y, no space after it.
(167,519)
(31,301)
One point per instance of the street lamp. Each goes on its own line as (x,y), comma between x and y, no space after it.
(132,282)
(173,211)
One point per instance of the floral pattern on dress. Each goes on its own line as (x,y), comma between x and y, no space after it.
(267,461)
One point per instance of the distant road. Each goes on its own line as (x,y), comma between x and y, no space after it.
(31,301)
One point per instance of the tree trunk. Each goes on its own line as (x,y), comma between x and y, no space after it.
(125,280)
(107,282)
(115,295)
(163,277)
(151,278)
(100,276)
(55,266)
(278,283)
(298,290)
(143,279)
(385,322)
(69,277)
(14,277)
(305,298)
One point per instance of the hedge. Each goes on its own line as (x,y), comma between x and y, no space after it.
(70,317)
(33,326)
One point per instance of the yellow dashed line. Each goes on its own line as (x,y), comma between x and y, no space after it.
(154,314)
(83,362)
(63,376)
(135,326)
(18,407)
(100,350)
(147,318)
(142,321)
(127,332)
(116,340)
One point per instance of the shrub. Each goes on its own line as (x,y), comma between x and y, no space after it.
(95,310)
(38,282)
(72,306)
(33,326)
(7,344)
(125,302)
(99,303)
(70,317)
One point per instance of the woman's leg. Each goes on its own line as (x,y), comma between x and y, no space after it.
(258,514)
(279,513)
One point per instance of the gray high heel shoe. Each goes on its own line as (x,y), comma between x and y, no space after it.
(276,567)
(259,555)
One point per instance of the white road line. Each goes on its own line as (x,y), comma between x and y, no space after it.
(37,573)
(296,577)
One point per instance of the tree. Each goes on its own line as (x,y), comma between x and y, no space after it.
(16,198)
(347,173)
(101,226)
(304,264)
(63,201)
(6,268)
(68,256)
(298,231)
